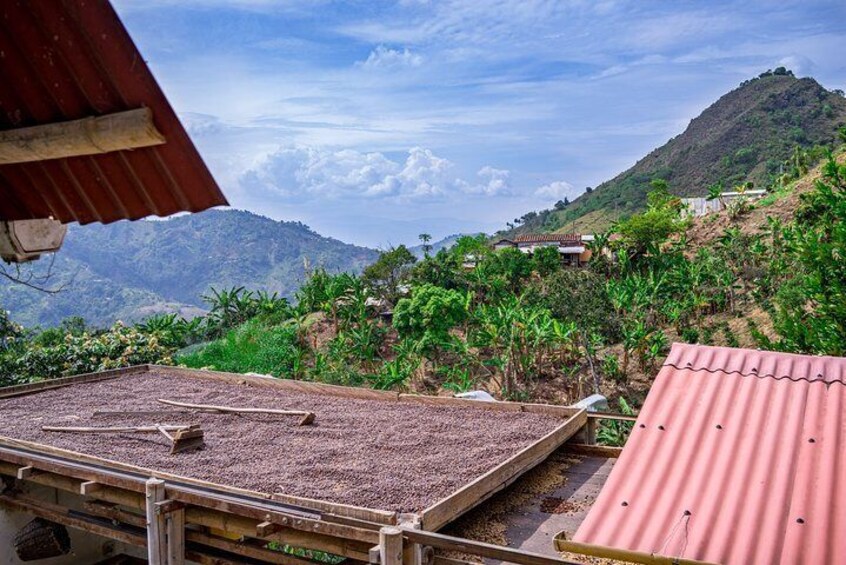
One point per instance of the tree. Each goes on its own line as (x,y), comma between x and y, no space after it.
(546,260)
(425,238)
(512,265)
(387,273)
(580,296)
(810,311)
(650,229)
(429,315)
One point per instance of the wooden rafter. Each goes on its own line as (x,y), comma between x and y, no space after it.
(120,131)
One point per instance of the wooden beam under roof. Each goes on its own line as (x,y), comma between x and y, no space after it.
(120,131)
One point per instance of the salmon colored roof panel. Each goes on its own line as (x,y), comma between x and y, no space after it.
(63,60)
(737,457)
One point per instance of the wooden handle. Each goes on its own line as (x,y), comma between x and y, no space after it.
(307,417)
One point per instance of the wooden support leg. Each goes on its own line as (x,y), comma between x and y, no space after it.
(156,530)
(390,546)
(590,431)
(176,537)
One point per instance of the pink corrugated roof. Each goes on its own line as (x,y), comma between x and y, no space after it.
(737,456)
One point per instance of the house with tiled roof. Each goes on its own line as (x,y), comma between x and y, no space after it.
(571,246)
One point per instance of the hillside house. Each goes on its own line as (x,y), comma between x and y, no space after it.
(571,246)
(701,206)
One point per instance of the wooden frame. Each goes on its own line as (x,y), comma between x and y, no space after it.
(317,524)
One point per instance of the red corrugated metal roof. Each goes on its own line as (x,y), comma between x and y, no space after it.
(738,456)
(547,237)
(69,59)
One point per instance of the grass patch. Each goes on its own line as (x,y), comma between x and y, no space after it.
(253,347)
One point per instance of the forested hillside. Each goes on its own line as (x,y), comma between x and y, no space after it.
(746,135)
(131,270)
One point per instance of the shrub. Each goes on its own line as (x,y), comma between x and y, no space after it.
(120,346)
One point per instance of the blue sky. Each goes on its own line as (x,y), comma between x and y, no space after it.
(375,121)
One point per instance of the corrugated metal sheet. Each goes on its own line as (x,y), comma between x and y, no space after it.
(737,456)
(68,59)
(547,238)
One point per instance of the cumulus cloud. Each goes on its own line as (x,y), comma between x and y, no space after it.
(557,189)
(494,182)
(306,173)
(386,58)
(801,66)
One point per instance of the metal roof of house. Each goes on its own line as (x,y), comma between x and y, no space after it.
(64,60)
(738,456)
(548,238)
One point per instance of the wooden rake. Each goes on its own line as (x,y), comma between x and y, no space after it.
(306,418)
(182,438)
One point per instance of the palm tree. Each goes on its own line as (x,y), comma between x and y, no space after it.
(425,238)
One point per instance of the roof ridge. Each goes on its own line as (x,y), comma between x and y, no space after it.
(820,379)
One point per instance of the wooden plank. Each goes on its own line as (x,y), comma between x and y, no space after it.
(625,555)
(72,485)
(360,515)
(246,549)
(481,549)
(471,495)
(130,129)
(551,409)
(281,384)
(306,418)
(593,450)
(114,512)
(321,527)
(58,514)
(241,526)
(179,492)
(612,416)
(29,388)
(175,526)
(156,532)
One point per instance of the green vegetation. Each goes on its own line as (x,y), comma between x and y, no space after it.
(506,321)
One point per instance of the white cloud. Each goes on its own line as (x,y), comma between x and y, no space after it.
(801,66)
(557,189)
(494,182)
(306,173)
(386,58)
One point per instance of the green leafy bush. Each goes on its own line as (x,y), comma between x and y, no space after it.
(120,346)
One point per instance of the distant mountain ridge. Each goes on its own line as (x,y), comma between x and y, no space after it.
(745,135)
(130,270)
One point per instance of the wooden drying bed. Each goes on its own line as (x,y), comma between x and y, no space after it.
(116,490)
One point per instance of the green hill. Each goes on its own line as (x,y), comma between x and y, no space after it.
(129,270)
(745,135)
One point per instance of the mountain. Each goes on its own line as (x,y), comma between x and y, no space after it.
(745,135)
(129,270)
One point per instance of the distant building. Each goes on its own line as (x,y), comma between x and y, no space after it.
(701,206)
(571,246)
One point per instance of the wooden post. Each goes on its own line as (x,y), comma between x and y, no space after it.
(390,546)
(176,537)
(156,530)
(590,431)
